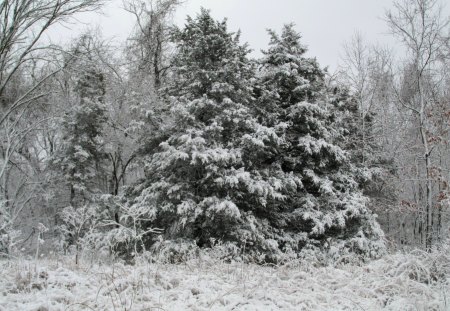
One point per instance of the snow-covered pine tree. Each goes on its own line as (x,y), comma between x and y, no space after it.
(79,158)
(82,152)
(330,208)
(204,182)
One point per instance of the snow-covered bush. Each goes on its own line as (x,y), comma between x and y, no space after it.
(174,251)
(129,235)
(81,226)
(9,234)
(93,228)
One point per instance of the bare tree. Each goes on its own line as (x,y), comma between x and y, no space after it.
(26,66)
(420,26)
(366,69)
(23,24)
(150,42)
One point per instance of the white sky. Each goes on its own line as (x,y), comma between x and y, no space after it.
(324,24)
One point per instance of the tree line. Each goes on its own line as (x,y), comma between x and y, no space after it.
(183,141)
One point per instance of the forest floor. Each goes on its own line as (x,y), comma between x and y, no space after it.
(400,281)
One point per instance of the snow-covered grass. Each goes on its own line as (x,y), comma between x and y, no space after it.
(401,281)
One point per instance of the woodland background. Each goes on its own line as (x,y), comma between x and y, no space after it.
(169,145)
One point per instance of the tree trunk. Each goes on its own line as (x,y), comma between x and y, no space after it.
(429,184)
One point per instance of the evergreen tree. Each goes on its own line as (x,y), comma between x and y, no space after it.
(82,152)
(252,161)
(80,156)
(330,205)
(201,183)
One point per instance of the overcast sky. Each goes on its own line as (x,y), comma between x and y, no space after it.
(324,24)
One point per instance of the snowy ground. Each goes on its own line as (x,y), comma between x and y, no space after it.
(397,282)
